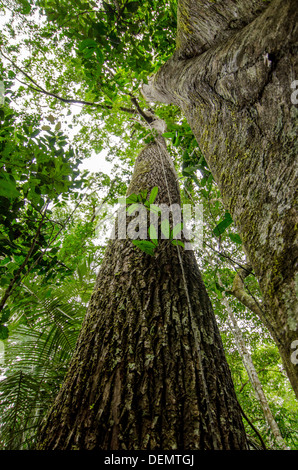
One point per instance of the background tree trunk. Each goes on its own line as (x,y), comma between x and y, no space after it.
(149,370)
(253,376)
(236,94)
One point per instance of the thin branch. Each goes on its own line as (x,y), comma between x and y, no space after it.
(148,117)
(221,253)
(247,299)
(243,385)
(253,427)
(238,291)
(79,14)
(40,89)
(261,370)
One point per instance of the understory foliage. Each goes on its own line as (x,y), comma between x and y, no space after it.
(71,72)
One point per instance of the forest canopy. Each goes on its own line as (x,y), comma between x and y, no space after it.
(73,81)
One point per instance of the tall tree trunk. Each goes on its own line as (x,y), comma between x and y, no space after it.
(149,370)
(253,376)
(232,75)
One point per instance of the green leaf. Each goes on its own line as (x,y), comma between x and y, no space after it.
(188,171)
(109,9)
(90,43)
(168,135)
(51,119)
(153,194)
(196,180)
(142,196)
(100,29)
(100,55)
(165,228)
(114,39)
(155,209)
(5,314)
(210,178)
(4,280)
(235,238)
(3,332)
(8,187)
(177,242)
(153,234)
(34,134)
(132,6)
(132,208)
(177,229)
(221,227)
(132,198)
(176,140)
(26,7)
(146,246)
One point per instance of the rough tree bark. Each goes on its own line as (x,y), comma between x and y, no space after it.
(149,370)
(231,75)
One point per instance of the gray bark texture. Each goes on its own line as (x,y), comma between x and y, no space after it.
(149,370)
(231,75)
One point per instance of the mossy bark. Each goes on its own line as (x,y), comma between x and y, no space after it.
(149,370)
(236,94)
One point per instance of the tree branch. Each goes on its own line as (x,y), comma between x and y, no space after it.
(149,118)
(211,24)
(238,290)
(253,427)
(40,89)
(152,120)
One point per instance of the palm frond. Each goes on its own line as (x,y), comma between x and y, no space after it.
(36,360)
